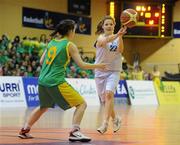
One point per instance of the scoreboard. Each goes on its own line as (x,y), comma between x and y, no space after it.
(154,18)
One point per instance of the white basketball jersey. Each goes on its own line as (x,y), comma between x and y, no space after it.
(109,55)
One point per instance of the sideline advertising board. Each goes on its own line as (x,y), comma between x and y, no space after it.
(168,93)
(121,94)
(31,91)
(12,92)
(87,88)
(141,93)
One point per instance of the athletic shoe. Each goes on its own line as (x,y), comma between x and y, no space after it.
(24,134)
(76,135)
(103,128)
(116,124)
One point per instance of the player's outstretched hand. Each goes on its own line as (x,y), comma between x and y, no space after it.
(122,31)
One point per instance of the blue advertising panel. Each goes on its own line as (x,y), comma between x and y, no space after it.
(121,91)
(121,94)
(31,91)
(42,19)
(176,29)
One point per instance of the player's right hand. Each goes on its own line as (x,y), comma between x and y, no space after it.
(122,31)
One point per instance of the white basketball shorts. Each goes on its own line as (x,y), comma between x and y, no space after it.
(107,83)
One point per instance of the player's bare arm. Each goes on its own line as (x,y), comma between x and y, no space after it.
(74,53)
(43,56)
(103,40)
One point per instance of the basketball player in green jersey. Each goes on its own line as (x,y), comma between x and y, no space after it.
(53,88)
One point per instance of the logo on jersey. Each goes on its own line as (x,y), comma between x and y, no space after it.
(113,46)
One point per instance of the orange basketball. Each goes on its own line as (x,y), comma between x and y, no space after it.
(129,18)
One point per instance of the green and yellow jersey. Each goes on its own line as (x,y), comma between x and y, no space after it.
(55,63)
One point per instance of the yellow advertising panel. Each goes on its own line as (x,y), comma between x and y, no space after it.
(168,92)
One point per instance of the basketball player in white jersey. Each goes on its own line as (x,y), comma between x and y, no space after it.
(109,48)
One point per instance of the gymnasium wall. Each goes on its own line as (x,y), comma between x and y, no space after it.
(11,15)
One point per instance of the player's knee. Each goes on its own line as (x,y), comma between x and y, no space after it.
(108,98)
(83,105)
(109,95)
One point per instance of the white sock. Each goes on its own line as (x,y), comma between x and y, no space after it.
(105,123)
(76,126)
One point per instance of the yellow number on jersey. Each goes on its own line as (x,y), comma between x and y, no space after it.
(51,55)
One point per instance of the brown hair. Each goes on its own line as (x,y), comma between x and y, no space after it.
(99,29)
(64,27)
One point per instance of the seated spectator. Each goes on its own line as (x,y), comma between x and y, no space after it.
(3,57)
(21,58)
(4,42)
(138,73)
(16,41)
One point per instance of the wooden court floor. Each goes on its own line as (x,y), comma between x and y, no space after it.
(141,125)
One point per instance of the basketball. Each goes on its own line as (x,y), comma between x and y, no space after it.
(129,18)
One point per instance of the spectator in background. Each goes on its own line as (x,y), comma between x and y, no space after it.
(4,42)
(43,38)
(42,44)
(123,75)
(3,57)
(26,52)
(155,73)
(156,77)
(16,41)
(125,72)
(29,71)
(1,70)
(130,70)
(147,76)
(138,73)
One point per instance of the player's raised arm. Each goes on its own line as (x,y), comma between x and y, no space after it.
(121,32)
(105,31)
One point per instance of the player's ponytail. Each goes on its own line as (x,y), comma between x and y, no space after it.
(64,27)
